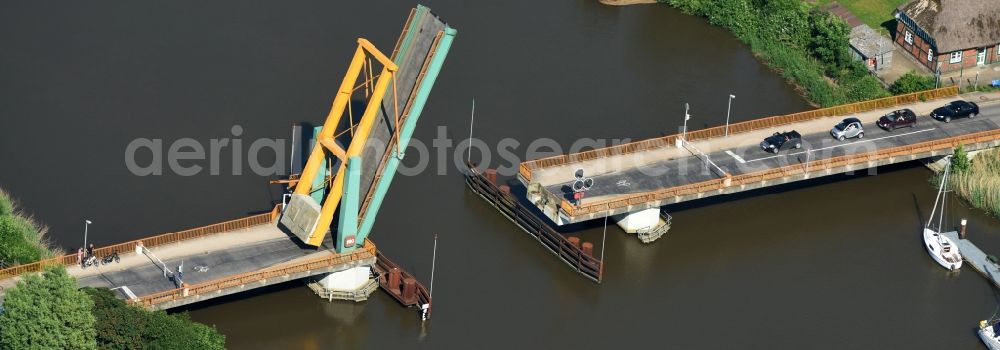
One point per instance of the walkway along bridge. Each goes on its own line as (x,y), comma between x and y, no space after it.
(632,181)
(291,242)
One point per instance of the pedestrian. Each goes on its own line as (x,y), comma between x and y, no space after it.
(180,275)
(90,254)
(79,256)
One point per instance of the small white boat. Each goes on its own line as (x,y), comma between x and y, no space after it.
(988,334)
(941,248)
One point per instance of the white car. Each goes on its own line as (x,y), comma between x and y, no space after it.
(848,128)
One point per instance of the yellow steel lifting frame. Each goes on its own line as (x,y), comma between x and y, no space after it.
(362,60)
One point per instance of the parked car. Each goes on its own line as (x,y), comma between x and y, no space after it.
(955,109)
(897,119)
(782,140)
(848,128)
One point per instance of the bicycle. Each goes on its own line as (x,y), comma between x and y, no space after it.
(89,261)
(111,257)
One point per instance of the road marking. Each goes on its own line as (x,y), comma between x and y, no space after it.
(738,158)
(841,145)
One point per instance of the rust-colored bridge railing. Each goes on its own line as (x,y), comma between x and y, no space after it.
(368,251)
(527,167)
(167,238)
(788,170)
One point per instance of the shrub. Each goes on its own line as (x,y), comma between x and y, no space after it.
(911,82)
(21,238)
(960,160)
(17,241)
(6,204)
(980,183)
(47,311)
(123,326)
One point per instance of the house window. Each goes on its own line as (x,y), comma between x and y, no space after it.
(930,55)
(909,37)
(956,57)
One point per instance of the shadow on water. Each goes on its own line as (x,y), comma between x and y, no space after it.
(920,212)
(274,288)
(520,193)
(788,187)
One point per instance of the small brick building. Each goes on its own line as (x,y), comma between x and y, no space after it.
(950,34)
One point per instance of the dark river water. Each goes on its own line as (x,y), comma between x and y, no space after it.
(832,263)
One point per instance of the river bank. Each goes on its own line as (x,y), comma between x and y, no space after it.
(22,238)
(979,185)
(806,45)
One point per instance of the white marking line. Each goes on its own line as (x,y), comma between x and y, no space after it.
(842,145)
(738,158)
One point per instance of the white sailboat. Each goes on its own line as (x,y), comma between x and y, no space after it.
(941,248)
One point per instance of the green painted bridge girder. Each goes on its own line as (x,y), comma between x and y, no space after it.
(406,132)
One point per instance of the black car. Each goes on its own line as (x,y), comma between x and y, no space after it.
(782,140)
(897,119)
(955,109)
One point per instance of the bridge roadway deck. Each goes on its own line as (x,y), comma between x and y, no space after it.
(224,255)
(619,176)
(750,158)
(221,255)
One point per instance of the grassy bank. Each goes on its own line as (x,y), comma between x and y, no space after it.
(873,12)
(22,239)
(807,46)
(980,183)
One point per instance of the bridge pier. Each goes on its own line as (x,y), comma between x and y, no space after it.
(648,224)
(353,284)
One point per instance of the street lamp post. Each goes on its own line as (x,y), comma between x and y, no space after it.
(728,109)
(686,117)
(86,226)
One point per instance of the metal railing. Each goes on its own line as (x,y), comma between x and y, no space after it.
(570,253)
(368,251)
(525,169)
(167,238)
(788,170)
(383,266)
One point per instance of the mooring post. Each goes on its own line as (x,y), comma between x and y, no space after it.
(961,232)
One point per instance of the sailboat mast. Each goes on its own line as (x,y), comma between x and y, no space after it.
(937,198)
(944,183)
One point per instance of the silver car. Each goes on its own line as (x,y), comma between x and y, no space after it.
(848,128)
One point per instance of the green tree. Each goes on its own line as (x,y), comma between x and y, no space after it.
(123,326)
(829,40)
(960,160)
(47,311)
(911,82)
